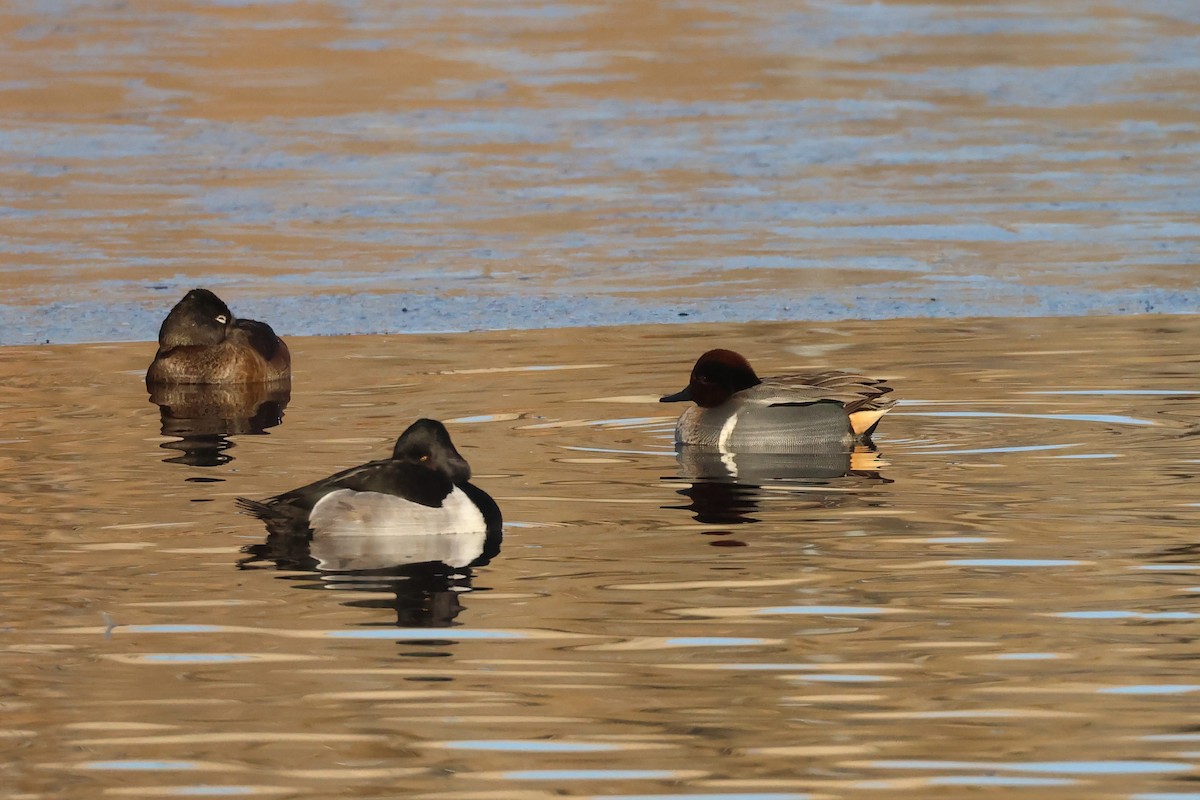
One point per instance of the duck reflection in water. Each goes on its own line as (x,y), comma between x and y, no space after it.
(729,488)
(204,416)
(412,525)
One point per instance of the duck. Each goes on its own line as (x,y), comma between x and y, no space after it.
(202,342)
(737,411)
(422,491)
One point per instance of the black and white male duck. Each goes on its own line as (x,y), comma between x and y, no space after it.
(416,505)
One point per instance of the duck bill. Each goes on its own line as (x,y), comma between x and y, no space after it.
(679,397)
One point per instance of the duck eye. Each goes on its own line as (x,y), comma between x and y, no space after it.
(221,318)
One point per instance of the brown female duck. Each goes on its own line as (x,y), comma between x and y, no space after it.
(201,341)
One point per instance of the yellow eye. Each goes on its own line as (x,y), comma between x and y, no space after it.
(423,459)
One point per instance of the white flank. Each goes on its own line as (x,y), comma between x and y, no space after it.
(722,442)
(726,432)
(371,530)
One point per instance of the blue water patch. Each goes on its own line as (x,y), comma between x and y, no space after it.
(139,764)
(195,658)
(1012,562)
(590,774)
(367,633)
(1119,392)
(1076,767)
(1163,615)
(712,641)
(173,628)
(767,667)
(959,540)
(999,780)
(630,422)
(1169,567)
(1151,689)
(615,451)
(423,633)
(1025,656)
(986,450)
(727,796)
(113,318)
(527,746)
(822,610)
(1117,419)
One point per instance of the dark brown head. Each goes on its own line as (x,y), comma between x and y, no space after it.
(718,375)
(199,319)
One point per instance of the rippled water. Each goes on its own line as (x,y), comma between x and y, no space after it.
(484,164)
(1002,596)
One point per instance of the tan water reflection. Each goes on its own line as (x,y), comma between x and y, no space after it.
(1005,599)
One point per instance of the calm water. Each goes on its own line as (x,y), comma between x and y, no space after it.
(1003,596)
(1000,601)
(508,163)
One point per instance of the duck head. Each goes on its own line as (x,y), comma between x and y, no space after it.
(199,319)
(427,444)
(717,376)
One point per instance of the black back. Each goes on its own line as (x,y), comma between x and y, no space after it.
(424,468)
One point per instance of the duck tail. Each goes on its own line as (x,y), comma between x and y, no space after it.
(864,423)
(255,508)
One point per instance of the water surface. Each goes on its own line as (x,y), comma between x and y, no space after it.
(1003,596)
(358,166)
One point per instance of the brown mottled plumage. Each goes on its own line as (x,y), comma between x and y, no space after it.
(201,341)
